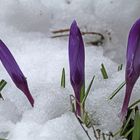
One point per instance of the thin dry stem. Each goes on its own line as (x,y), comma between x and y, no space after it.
(83,33)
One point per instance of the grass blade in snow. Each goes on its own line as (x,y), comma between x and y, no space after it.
(117,90)
(128,132)
(124,129)
(103,71)
(120,67)
(136,130)
(2,84)
(134,104)
(63,78)
(88,89)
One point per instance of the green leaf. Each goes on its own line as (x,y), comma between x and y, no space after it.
(127,122)
(82,93)
(2,84)
(120,67)
(134,104)
(128,132)
(63,78)
(86,119)
(136,130)
(117,132)
(117,90)
(103,71)
(88,89)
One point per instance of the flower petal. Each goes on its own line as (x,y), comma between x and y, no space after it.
(133,64)
(14,71)
(76,61)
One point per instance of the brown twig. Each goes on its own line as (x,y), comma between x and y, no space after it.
(64,35)
(94,33)
(83,33)
(60,31)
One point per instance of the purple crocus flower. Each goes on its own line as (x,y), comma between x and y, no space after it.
(133,64)
(14,71)
(76,63)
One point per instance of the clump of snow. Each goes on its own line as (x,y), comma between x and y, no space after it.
(64,127)
(110,17)
(9,116)
(25,27)
(9,111)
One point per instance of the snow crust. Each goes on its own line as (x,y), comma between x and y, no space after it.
(25,27)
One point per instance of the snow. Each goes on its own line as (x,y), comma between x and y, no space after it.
(64,127)
(25,27)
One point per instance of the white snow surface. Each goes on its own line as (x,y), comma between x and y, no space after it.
(25,27)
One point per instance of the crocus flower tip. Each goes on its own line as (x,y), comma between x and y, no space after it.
(74,22)
(14,71)
(74,27)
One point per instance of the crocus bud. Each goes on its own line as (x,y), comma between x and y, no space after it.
(76,63)
(14,71)
(132,71)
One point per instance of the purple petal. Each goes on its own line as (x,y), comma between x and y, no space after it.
(14,71)
(76,60)
(133,64)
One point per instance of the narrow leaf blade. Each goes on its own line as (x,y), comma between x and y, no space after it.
(2,84)
(63,78)
(127,122)
(120,67)
(88,89)
(134,104)
(103,71)
(136,131)
(117,90)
